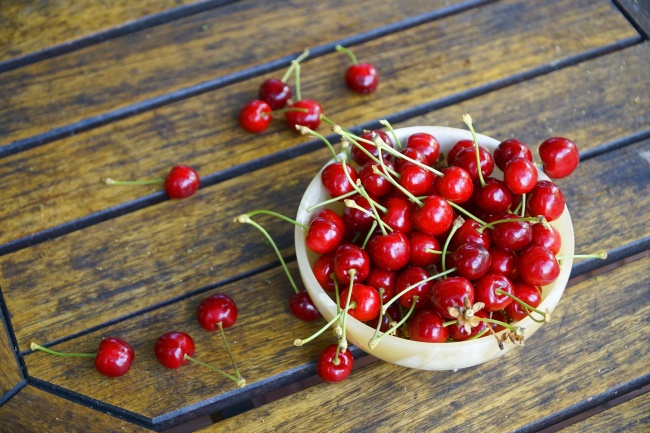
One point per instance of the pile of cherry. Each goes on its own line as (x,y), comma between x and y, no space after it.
(435,248)
(173,349)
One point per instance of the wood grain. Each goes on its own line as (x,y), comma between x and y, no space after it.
(44,191)
(261,341)
(178,54)
(34,411)
(10,374)
(630,417)
(136,261)
(30,26)
(572,358)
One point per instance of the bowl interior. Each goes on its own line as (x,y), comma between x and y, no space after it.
(414,354)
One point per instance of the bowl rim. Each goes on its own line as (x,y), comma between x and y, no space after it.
(358,330)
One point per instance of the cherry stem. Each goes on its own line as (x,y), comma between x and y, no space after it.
(601,255)
(466,213)
(35,347)
(275,214)
(387,124)
(296,67)
(370,232)
(480,334)
(355,141)
(382,225)
(546,315)
(332,200)
(301,342)
(381,313)
(238,380)
(225,342)
(298,59)
(523,205)
(307,131)
(540,219)
(468,121)
(348,305)
(374,341)
(380,144)
(497,322)
(455,226)
(111,181)
(350,54)
(432,251)
(406,290)
(245,219)
(396,184)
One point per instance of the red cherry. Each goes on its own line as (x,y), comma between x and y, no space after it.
(451,292)
(426,325)
(455,185)
(324,236)
(503,262)
(537,266)
(310,118)
(171,348)
(468,232)
(275,92)
(332,368)
(382,279)
(547,236)
(391,251)
(399,214)
(560,157)
(215,309)
(366,299)
(302,307)
(512,235)
(392,315)
(362,78)
(114,357)
(494,198)
(472,260)
(525,292)
(323,269)
(375,184)
(546,199)
(466,159)
(335,180)
(426,144)
(485,291)
(458,333)
(460,145)
(415,179)
(413,276)
(520,175)
(255,116)
(509,149)
(435,216)
(355,219)
(350,256)
(182,181)
(420,243)
(411,153)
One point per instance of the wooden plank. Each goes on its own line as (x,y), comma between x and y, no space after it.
(45,187)
(175,55)
(638,11)
(33,411)
(64,286)
(630,417)
(10,375)
(261,341)
(30,26)
(566,363)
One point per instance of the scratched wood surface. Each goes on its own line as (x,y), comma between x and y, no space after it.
(196,243)
(10,375)
(572,358)
(203,131)
(265,330)
(184,52)
(57,415)
(30,26)
(632,416)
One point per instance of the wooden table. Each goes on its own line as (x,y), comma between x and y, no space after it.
(129,89)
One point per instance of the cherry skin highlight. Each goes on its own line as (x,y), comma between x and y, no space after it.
(114,357)
(215,309)
(181,182)
(171,348)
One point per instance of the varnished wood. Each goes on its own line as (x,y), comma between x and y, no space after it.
(34,411)
(572,358)
(43,191)
(639,12)
(30,26)
(184,52)
(261,341)
(632,416)
(10,375)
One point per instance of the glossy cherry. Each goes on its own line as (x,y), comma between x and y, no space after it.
(426,144)
(305,112)
(435,216)
(494,197)
(415,179)
(172,347)
(560,157)
(512,235)
(459,333)
(376,185)
(323,269)
(547,236)
(427,326)
(460,145)
(455,185)
(382,279)
(324,235)
(421,246)
(275,93)
(466,159)
(360,77)
(335,181)
(256,116)
(391,251)
(451,292)
(350,256)
(334,365)
(472,260)
(413,276)
(537,266)
(503,262)
(469,232)
(366,301)
(509,149)
(531,295)
(181,182)
(354,218)
(302,307)
(546,199)
(215,310)
(399,214)
(520,175)
(361,157)
(485,290)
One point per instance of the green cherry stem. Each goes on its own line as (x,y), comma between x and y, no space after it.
(540,219)
(111,181)
(601,255)
(374,341)
(455,226)
(300,342)
(381,313)
(296,66)
(232,358)
(240,381)
(387,124)
(468,121)
(343,344)
(396,184)
(332,200)
(406,290)
(529,308)
(523,205)
(369,234)
(246,219)
(380,144)
(35,347)
(292,67)
(307,131)
(278,215)
(349,52)
(466,213)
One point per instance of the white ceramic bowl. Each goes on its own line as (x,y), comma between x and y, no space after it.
(414,354)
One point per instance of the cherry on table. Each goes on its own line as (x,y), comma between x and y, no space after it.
(172,349)
(217,311)
(334,365)
(304,112)
(277,93)
(256,116)
(360,77)
(302,306)
(181,182)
